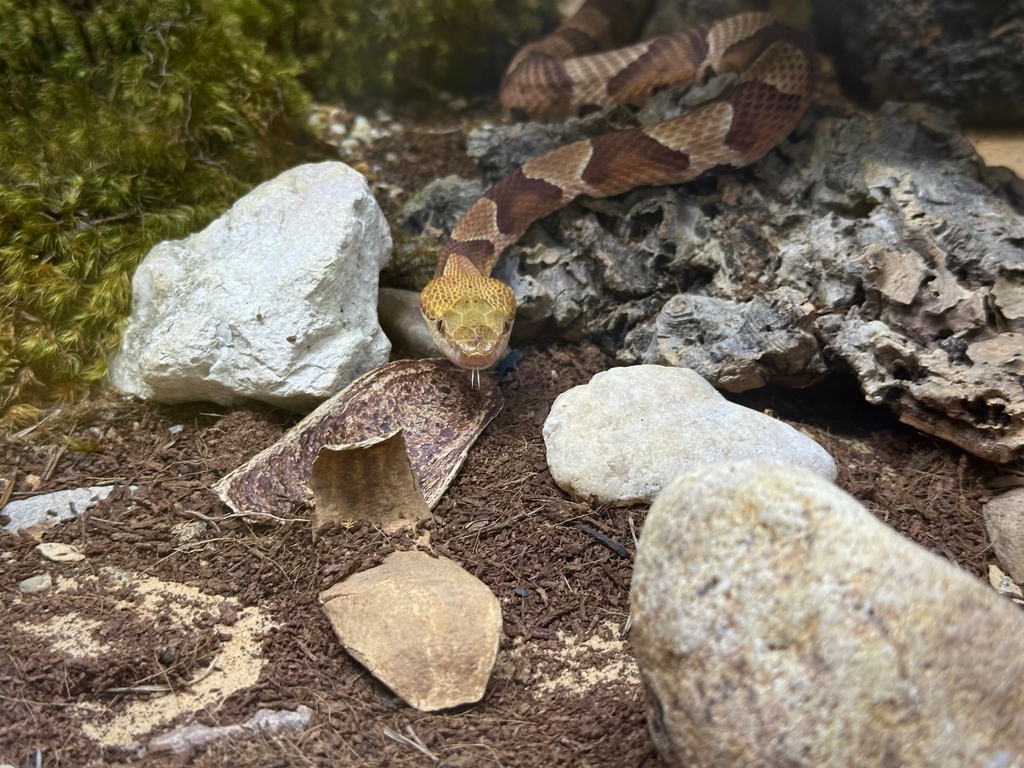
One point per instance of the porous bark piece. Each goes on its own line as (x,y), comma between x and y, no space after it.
(431,401)
(963,55)
(740,346)
(778,622)
(422,625)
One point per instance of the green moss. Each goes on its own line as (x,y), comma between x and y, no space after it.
(366,51)
(125,123)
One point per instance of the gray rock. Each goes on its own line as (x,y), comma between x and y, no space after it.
(422,625)
(778,622)
(957,54)
(628,432)
(400,317)
(51,507)
(440,204)
(1004,523)
(739,346)
(35,585)
(275,301)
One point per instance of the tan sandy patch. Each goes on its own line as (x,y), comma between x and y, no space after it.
(1005,147)
(575,666)
(238,663)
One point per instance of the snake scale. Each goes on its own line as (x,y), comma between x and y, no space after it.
(470,314)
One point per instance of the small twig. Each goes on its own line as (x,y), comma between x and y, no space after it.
(624,632)
(632,530)
(600,538)
(614,577)
(5,496)
(164,688)
(82,522)
(259,515)
(32,428)
(436,131)
(552,617)
(412,740)
(201,516)
(51,465)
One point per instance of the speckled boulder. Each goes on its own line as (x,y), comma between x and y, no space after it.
(778,622)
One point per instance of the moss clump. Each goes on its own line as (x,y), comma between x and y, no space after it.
(126,122)
(367,51)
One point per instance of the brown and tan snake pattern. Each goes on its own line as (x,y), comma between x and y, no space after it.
(469,313)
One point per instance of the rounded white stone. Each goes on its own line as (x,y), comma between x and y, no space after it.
(629,431)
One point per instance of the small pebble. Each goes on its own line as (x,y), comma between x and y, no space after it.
(35,584)
(228,613)
(59,553)
(362,130)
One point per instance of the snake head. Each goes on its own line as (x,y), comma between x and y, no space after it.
(469,317)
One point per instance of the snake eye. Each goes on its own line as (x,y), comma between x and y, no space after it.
(439,325)
(508,326)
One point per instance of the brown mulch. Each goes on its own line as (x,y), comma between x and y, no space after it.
(503,519)
(561,693)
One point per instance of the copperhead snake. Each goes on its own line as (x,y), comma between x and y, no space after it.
(470,314)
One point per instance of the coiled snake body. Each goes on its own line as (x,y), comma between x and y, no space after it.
(470,314)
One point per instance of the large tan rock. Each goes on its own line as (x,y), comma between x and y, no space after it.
(1004,523)
(777,622)
(422,625)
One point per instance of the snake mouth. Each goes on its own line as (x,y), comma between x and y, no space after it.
(477,359)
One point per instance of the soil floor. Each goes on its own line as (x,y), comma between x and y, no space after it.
(172,585)
(181,613)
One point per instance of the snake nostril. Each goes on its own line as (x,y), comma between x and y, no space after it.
(440,326)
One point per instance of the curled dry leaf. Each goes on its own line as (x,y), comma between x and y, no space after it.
(430,401)
(371,480)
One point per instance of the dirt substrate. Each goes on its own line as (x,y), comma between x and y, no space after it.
(174,592)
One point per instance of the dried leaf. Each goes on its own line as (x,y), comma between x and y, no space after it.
(371,480)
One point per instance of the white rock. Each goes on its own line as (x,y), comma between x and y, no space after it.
(52,507)
(275,301)
(425,627)
(34,585)
(778,622)
(629,431)
(59,553)
(1004,522)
